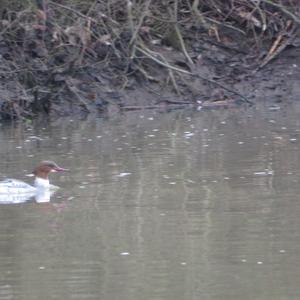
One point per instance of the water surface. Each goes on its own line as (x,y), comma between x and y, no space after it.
(184,205)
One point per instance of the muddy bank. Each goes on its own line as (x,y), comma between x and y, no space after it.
(69,57)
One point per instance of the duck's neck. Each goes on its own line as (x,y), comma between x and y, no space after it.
(41,182)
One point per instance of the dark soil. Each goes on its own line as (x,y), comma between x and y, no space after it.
(45,69)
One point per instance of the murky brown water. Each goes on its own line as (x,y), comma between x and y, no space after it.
(186,205)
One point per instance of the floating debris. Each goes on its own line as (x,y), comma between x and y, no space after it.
(190,181)
(34,137)
(274,107)
(264,173)
(30,175)
(188,135)
(123,174)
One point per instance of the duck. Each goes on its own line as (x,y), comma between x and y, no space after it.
(41,182)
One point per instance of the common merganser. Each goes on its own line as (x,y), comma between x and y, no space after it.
(14,187)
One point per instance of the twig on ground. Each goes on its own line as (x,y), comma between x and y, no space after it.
(81,14)
(276,48)
(76,92)
(151,56)
(284,10)
(135,30)
(182,45)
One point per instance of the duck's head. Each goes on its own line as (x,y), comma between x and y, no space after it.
(45,167)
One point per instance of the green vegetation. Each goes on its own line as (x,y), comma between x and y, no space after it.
(51,50)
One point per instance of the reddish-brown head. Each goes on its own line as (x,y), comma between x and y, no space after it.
(45,167)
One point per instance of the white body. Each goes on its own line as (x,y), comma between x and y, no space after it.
(40,183)
(13,186)
(16,191)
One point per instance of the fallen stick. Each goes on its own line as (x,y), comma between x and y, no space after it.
(276,48)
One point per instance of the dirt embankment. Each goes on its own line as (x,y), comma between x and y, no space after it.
(73,56)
